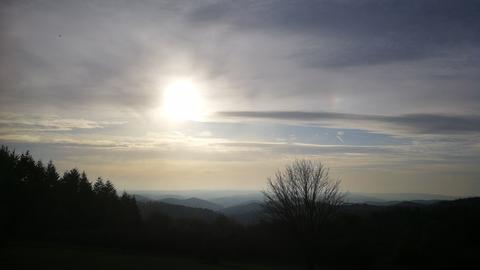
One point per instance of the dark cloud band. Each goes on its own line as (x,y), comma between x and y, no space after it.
(416,123)
(371,32)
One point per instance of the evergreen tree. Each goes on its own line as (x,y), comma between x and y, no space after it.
(51,175)
(36,202)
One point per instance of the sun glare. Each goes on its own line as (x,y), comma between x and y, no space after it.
(182,101)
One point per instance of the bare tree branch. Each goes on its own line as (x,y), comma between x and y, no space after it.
(303,197)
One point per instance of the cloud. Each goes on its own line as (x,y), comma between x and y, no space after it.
(49,123)
(74,56)
(414,123)
(367,32)
(86,78)
(112,58)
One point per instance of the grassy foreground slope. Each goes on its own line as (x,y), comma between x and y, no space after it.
(81,258)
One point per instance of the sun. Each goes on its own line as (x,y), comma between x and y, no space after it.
(182,101)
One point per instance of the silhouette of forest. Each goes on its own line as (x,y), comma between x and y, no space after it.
(41,207)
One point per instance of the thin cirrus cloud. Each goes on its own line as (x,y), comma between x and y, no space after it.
(415,123)
(50,123)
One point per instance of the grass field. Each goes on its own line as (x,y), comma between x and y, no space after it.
(55,257)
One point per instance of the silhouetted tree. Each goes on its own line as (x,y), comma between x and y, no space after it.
(51,175)
(36,203)
(84,186)
(129,215)
(304,198)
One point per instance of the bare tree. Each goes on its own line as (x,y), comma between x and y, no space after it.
(304,198)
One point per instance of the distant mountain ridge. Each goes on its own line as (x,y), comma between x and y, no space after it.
(222,199)
(398,196)
(193,202)
(243,208)
(234,200)
(250,212)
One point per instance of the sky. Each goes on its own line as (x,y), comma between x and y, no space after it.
(218,95)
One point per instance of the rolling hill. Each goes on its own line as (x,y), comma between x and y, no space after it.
(176,211)
(193,202)
(245,213)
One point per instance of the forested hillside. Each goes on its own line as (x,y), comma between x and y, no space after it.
(40,206)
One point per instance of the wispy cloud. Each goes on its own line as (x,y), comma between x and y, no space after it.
(26,123)
(414,123)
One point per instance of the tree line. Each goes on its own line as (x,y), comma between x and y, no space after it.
(305,221)
(38,203)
